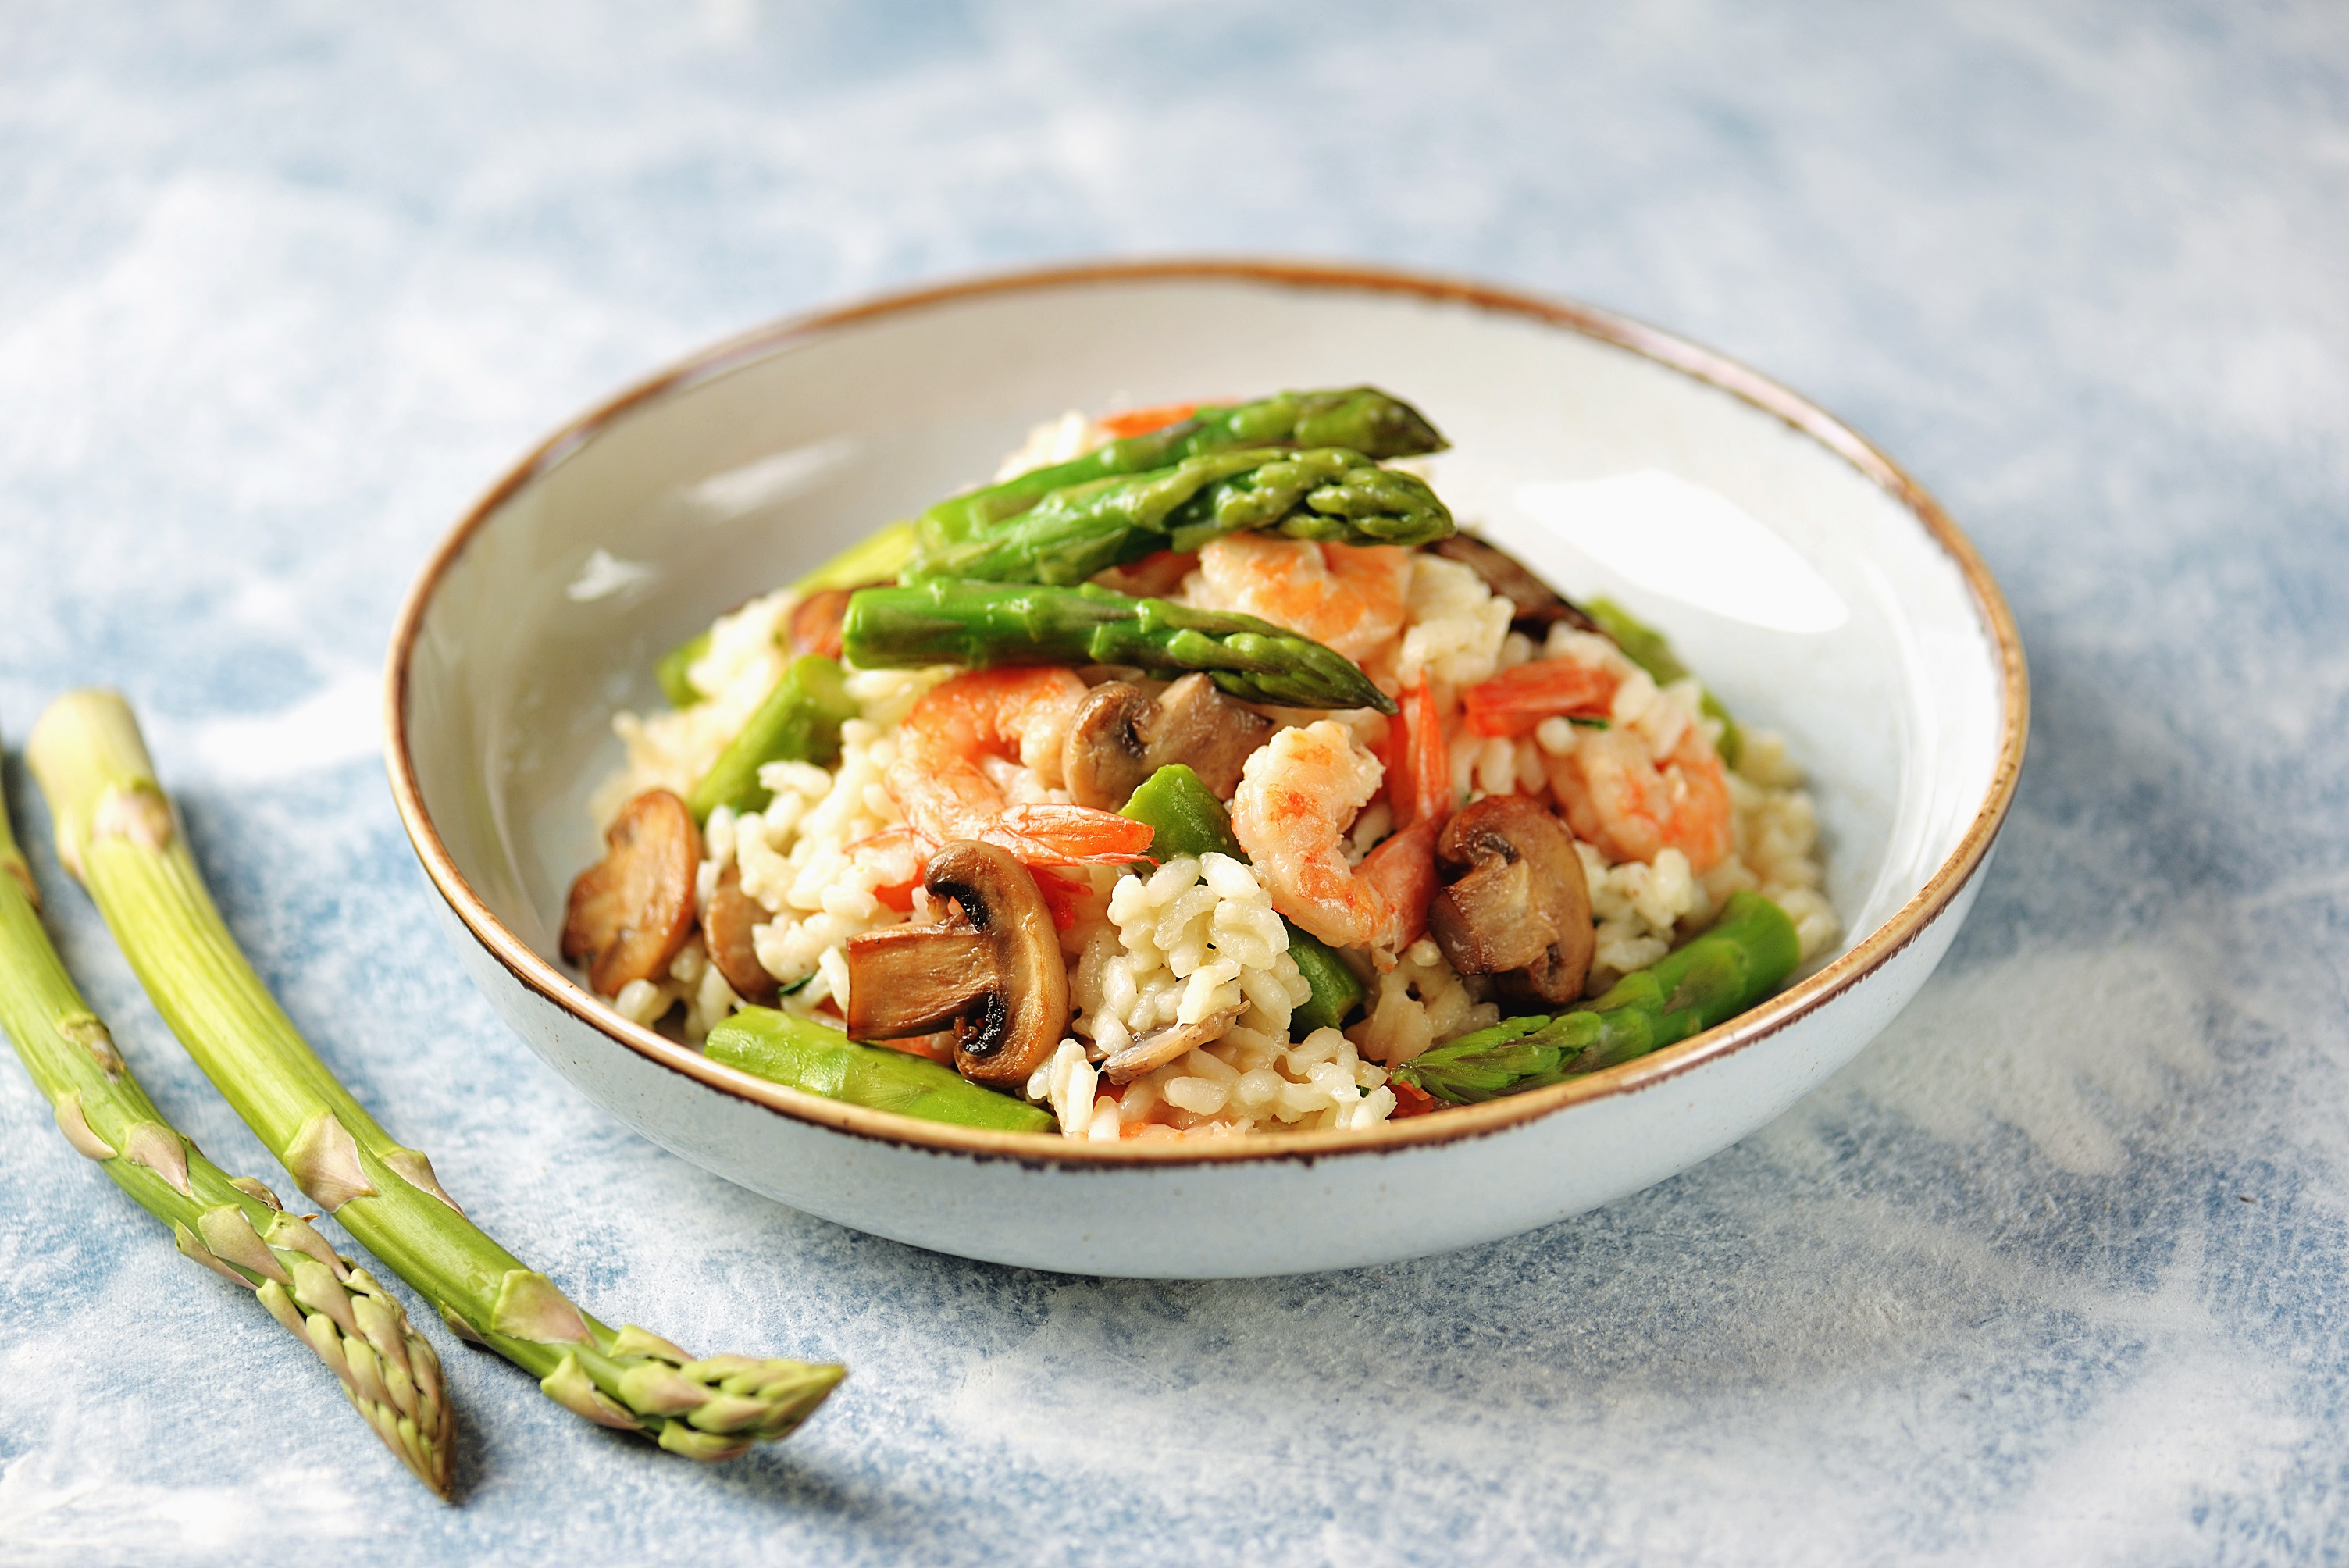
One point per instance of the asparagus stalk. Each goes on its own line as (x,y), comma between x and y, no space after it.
(119,835)
(1331,493)
(233,1226)
(1187,819)
(799,722)
(982,624)
(807,1056)
(1362,419)
(1745,956)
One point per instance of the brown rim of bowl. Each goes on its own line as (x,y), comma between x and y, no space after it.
(1039,1149)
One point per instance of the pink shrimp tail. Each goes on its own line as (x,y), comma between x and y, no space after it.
(1419,785)
(1401,872)
(1044,835)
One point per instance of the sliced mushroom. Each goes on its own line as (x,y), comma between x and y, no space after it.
(1536,602)
(726,926)
(1517,904)
(1106,758)
(814,627)
(1155,1049)
(630,911)
(1119,737)
(993,969)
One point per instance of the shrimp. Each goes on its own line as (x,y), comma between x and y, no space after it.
(1348,597)
(1297,794)
(956,742)
(1615,796)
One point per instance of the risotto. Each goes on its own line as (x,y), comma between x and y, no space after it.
(1197,779)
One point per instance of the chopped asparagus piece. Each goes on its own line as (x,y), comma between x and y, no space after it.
(1328,493)
(676,683)
(1362,419)
(1743,957)
(806,1056)
(878,558)
(982,624)
(799,722)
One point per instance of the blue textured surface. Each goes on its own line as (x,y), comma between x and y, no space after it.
(2055,1274)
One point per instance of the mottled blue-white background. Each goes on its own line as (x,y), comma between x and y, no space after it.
(2055,1274)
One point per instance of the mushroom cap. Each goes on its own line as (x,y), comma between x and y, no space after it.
(1106,758)
(630,912)
(994,970)
(1517,904)
(1119,737)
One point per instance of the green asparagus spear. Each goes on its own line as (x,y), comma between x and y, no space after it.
(877,559)
(672,667)
(1328,493)
(231,1226)
(118,834)
(1189,820)
(799,722)
(980,623)
(807,1056)
(1646,647)
(1745,956)
(1362,419)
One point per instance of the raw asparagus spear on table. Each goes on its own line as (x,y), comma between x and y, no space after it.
(119,835)
(1328,493)
(1361,419)
(231,1225)
(1736,963)
(982,623)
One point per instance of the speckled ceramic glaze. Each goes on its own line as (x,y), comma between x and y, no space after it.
(1900,684)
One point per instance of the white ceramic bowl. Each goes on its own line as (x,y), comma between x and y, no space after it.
(1881,648)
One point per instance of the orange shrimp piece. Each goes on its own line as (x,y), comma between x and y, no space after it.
(1514,702)
(942,781)
(1418,789)
(1348,597)
(1615,796)
(1298,793)
(1142,421)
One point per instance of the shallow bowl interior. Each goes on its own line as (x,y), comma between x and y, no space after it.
(1898,683)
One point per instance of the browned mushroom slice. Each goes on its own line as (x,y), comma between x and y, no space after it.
(816,622)
(993,969)
(1198,726)
(726,926)
(630,911)
(1537,604)
(1517,906)
(1106,758)
(1155,1049)
(1121,737)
